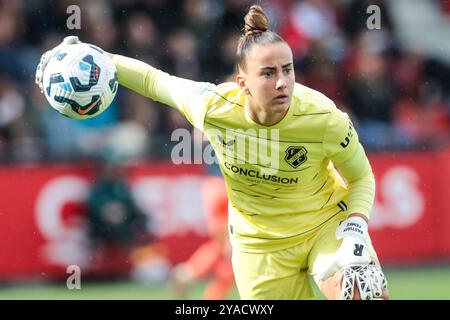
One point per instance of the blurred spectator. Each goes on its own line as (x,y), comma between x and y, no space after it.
(370,96)
(308,20)
(12,108)
(69,140)
(141,38)
(408,75)
(100,27)
(355,17)
(12,103)
(212,260)
(113,217)
(198,16)
(318,71)
(426,120)
(364,71)
(116,226)
(232,14)
(183,60)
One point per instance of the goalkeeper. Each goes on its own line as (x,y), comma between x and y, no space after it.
(305,209)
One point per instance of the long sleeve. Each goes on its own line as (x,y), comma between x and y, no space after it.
(187,96)
(347,154)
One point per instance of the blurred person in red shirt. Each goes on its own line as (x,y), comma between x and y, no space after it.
(213,258)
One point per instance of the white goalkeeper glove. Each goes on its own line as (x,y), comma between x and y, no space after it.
(48,55)
(356,264)
(369,279)
(353,250)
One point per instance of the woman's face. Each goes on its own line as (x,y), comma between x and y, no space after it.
(268,78)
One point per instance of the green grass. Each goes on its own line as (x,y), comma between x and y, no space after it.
(117,290)
(404,284)
(426,283)
(431,283)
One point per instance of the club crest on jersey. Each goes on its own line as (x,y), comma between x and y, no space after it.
(295,156)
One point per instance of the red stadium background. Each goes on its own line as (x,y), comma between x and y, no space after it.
(42,228)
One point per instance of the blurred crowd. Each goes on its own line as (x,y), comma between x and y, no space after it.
(398,99)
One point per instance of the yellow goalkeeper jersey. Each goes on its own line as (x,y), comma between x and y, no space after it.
(281,179)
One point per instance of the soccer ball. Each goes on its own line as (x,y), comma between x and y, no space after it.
(80,81)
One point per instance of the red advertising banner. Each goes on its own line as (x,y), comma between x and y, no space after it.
(441,203)
(403,221)
(43,230)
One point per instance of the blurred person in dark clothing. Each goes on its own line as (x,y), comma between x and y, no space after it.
(371,94)
(141,37)
(182,53)
(320,71)
(355,16)
(371,91)
(114,220)
(113,216)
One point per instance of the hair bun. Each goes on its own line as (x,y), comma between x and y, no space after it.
(256,21)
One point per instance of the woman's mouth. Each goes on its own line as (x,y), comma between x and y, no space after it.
(282,98)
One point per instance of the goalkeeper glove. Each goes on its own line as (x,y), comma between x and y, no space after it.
(369,280)
(353,250)
(356,264)
(48,55)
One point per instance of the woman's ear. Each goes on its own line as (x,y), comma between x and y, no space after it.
(240,80)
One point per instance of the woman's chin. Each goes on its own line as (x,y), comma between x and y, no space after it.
(279,108)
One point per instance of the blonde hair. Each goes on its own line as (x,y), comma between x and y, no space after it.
(256,31)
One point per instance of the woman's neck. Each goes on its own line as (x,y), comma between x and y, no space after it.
(262,116)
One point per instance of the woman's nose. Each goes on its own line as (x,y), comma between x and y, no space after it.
(281,84)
